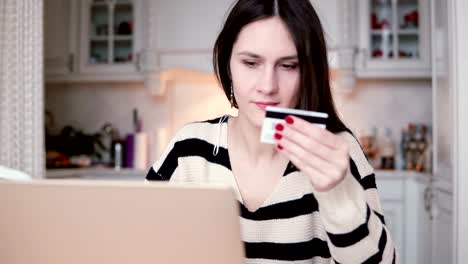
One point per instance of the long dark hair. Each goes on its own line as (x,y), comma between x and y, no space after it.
(306,30)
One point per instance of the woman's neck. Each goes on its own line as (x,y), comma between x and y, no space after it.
(246,137)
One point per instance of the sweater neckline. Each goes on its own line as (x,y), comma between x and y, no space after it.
(290,167)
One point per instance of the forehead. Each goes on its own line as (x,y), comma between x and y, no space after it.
(267,37)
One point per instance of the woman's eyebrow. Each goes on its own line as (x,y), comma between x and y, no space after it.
(250,54)
(256,56)
(292,57)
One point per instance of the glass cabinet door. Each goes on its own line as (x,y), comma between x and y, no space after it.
(408,29)
(111,37)
(382,35)
(99,33)
(394,29)
(123,31)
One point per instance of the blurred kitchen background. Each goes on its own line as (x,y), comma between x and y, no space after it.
(121,76)
(114,68)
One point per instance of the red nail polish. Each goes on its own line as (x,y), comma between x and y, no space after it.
(279,147)
(278,136)
(279,127)
(289,120)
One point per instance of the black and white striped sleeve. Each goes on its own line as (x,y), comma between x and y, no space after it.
(353,217)
(167,163)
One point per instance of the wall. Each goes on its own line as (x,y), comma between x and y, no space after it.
(383,104)
(373,103)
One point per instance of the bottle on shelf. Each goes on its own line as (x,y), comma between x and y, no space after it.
(421,147)
(367,139)
(387,150)
(411,150)
(404,143)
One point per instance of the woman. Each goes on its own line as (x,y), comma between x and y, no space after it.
(310,198)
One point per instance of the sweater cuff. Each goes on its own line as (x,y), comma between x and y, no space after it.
(344,207)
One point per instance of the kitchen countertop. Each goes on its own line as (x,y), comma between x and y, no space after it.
(94,172)
(107,173)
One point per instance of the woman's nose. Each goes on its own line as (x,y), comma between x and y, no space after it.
(267,81)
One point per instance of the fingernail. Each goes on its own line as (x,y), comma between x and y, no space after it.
(279,147)
(289,120)
(279,127)
(278,136)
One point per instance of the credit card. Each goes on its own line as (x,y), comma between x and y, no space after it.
(276,115)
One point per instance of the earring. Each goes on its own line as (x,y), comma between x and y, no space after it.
(232,97)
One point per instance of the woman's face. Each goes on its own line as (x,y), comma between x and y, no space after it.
(264,69)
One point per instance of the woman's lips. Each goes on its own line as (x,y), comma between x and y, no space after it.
(263,105)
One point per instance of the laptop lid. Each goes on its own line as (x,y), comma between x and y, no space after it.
(54,221)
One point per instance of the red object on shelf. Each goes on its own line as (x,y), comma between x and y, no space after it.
(374,21)
(375,24)
(377,53)
(412,17)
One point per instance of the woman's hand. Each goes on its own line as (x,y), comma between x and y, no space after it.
(316,152)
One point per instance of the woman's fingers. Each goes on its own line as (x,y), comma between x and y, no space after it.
(321,181)
(313,131)
(305,157)
(320,154)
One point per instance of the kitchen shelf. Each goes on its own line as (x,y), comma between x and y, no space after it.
(123,37)
(408,32)
(105,5)
(99,38)
(379,32)
(96,173)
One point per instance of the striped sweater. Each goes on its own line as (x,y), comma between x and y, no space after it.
(295,224)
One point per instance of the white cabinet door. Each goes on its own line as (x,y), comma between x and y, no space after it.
(442,226)
(391,191)
(393,212)
(394,39)
(196,21)
(59,54)
(327,10)
(417,223)
(444,131)
(187,31)
(403,203)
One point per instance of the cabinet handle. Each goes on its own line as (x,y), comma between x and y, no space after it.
(428,200)
(71,60)
(137,62)
(365,57)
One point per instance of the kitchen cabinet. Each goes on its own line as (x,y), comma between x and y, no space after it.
(446,130)
(402,195)
(93,40)
(186,31)
(391,192)
(59,38)
(394,39)
(110,39)
(135,40)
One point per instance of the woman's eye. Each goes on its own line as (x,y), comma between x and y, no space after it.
(289,66)
(250,64)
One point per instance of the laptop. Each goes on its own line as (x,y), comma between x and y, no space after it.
(65,221)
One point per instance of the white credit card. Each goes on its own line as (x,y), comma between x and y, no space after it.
(276,115)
